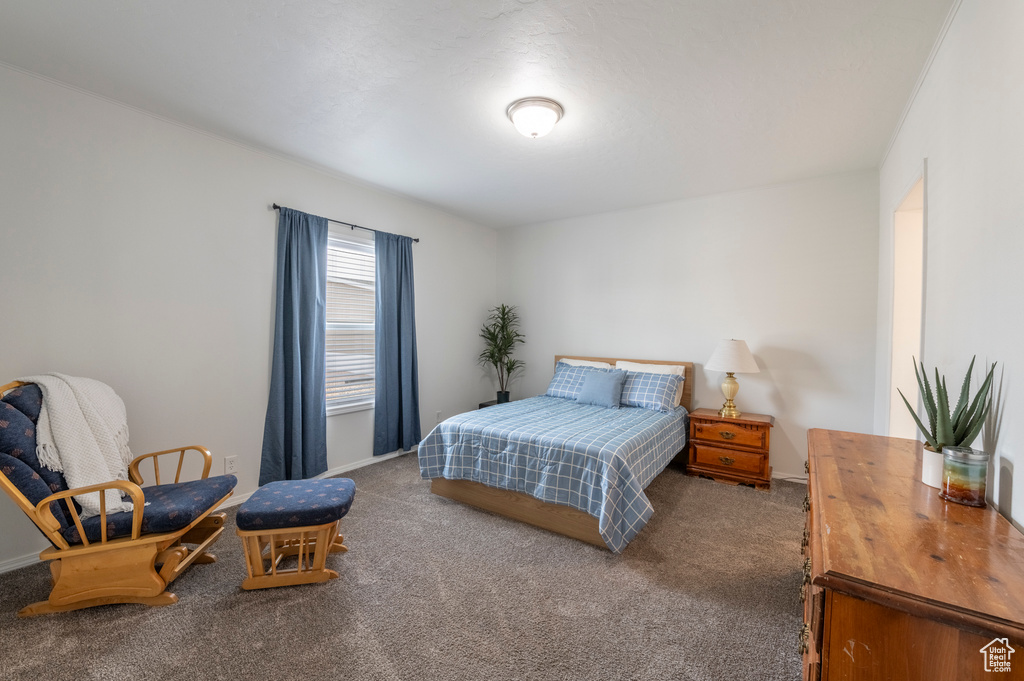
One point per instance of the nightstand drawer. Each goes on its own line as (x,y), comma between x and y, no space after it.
(727,459)
(731,434)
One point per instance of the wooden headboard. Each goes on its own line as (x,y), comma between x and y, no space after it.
(687,398)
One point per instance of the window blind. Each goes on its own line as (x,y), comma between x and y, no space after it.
(350,320)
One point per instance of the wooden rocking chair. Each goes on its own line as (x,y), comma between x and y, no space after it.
(109,558)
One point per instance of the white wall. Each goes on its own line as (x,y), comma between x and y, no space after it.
(908,301)
(141,253)
(790,269)
(966,121)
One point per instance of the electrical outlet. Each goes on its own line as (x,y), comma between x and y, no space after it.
(230,465)
(438,417)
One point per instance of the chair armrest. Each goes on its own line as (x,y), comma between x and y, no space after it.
(136,476)
(46,519)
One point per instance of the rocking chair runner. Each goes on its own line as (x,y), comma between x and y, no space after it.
(109,558)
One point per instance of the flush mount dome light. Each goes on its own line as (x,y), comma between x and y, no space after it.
(534,116)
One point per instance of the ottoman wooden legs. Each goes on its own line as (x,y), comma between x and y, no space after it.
(265,549)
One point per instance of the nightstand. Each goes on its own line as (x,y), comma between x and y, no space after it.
(733,450)
(491,403)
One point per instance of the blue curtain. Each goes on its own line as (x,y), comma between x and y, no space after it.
(396,417)
(295,432)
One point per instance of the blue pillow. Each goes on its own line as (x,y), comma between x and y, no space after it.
(650,391)
(602,388)
(568,380)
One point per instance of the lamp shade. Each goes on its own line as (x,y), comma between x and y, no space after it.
(732,356)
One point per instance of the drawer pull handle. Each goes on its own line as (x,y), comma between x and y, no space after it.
(803,594)
(806,539)
(807,467)
(803,638)
(726,460)
(807,571)
(727,435)
(807,503)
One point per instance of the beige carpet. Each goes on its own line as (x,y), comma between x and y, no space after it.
(432,589)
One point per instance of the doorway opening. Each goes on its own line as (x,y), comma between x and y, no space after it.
(907,309)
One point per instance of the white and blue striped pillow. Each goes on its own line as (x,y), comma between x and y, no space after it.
(568,380)
(650,391)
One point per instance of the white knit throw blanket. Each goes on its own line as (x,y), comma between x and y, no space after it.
(82,432)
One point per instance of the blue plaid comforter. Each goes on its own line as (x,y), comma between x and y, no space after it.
(594,459)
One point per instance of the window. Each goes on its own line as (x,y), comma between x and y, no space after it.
(350,318)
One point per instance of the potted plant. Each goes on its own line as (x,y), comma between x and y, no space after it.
(956,428)
(501,336)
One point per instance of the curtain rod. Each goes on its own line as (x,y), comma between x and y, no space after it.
(347,224)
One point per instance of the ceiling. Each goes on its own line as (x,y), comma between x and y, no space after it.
(663,100)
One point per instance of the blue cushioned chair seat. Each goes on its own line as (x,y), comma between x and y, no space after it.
(168,508)
(296,503)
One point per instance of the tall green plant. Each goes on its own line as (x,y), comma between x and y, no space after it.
(501,336)
(960,427)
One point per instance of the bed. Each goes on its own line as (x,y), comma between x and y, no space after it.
(572,468)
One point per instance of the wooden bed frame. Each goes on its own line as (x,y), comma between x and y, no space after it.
(564,520)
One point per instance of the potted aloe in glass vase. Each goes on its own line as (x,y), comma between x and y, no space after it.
(501,336)
(953,430)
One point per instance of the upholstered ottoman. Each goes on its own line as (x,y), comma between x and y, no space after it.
(297,518)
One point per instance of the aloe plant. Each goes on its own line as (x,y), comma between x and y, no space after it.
(960,427)
(501,335)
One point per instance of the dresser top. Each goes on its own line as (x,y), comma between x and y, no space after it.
(744,417)
(883,528)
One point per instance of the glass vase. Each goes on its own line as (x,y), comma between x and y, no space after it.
(964,473)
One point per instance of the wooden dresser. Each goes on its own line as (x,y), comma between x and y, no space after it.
(898,583)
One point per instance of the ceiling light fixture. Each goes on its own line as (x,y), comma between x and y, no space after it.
(534,116)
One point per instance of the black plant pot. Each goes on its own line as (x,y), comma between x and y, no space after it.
(502,396)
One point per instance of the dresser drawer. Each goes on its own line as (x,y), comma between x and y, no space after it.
(706,456)
(730,433)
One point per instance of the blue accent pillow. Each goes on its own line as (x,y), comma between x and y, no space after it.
(602,388)
(650,391)
(568,380)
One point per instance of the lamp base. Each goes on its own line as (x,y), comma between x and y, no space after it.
(729,389)
(729,410)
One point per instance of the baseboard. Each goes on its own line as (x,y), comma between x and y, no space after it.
(237,499)
(19,562)
(790,477)
(334,472)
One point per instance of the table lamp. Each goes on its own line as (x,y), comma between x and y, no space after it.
(733,357)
